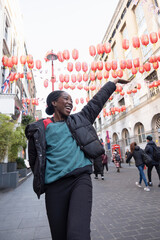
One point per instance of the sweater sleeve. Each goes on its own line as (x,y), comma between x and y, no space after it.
(95,105)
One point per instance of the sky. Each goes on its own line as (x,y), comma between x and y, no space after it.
(60,25)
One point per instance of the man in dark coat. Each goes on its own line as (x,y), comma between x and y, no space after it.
(149,149)
(98,167)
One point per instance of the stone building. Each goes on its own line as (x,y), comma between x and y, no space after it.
(142,114)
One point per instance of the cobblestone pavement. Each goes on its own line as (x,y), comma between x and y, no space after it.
(121,210)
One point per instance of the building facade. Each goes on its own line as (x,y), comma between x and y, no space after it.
(141,96)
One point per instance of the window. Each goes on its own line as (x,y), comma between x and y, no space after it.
(139,131)
(152,77)
(125,135)
(115,138)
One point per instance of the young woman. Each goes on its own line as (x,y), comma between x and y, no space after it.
(137,154)
(60,153)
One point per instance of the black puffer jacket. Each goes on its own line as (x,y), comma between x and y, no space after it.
(80,125)
(149,150)
(137,155)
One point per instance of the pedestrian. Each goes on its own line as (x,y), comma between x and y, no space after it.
(116,160)
(105,161)
(98,167)
(137,154)
(126,156)
(61,149)
(149,149)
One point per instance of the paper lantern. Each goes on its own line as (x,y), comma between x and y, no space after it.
(129,64)
(75,54)
(76,100)
(5,61)
(29,76)
(81,100)
(85,77)
(119,73)
(29,59)
(84,66)
(14,60)
(70,66)
(153,37)
(86,88)
(153,59)
(78,66)
(28,101)
(129,92)
(60,86)
(46,83)
(66,78)
(155,65)
(9,63)
(136,62)
(138,86)
(107,48)
(134,71)
(21,75)
(17,76)
(147,66)
(73,78)
(23,59)
(114,74)
(99,65)
(80,86)
(79,77)
(60,56)
(66,55)
(114,65)
(125,44)
(92,76)
(122,93)
(72,86)
(108,66)
(106,74)
(100,49)
(134,90)
(31,65)
(38,64)
(92,50)
(141,69)
(66,85)
(118,88)
(123,64)
(99,75)
(93,87)
(94,66)
(135,42)
(61,78)
(145,39)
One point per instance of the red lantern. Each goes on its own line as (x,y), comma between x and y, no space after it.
(123,108)
(21,75)
(66,78)
(141,69)
(12,77)
(134,90)
(110,98)
(136,62)
(28,101)
(92,76)
(23,59)
(78,66)
(29,59)
(145,39)
(158,58)
(106,74)
(38,64)
(85,77)
(120,73)
(60,86)
(153,59)
(75,54)
(74,109)
(147,66)
(99,75)
(80,86)
(77,101)
(123,64)
(61,78)
(60,56)
(114,74)
(138,86)
(114,65)
(100,49)
(66,85)
(92,50)
(66,55)
(29,76)
(46,83)
(129,92)
(72,87)
(100,65)
(150,85)
(125,44)
(70,66)
(134,71)
(14,60)
(5,61)
(155,65)
(84,66)
(94,66)
(155,84)
(79,77)
(107,48)
(118,88)
(129,64)
(122,93)
(17,76)
(73,78)
(108,66)
(82,100)
(31,65)
(135,42)
(33,101)
(93,87)
(86,88)
(9,63)
(153,37)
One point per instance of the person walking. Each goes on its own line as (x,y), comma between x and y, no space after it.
(105,161)
(61,149)
(116,160)
(149,149)
(137,154)
(127,155)
(98,167)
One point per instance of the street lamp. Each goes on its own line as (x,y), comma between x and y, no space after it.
(52,56)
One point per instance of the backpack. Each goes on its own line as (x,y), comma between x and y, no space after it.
(117,157)
(156,153)
(147,160)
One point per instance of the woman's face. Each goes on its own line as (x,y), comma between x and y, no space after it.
(63,105)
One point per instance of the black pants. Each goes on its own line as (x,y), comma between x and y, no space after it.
(105,164)
(68,205)
(149,171)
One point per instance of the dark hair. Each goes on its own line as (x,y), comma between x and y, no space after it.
(149,138)
(132,146)
(53,96)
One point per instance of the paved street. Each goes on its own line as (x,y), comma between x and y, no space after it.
(121,210)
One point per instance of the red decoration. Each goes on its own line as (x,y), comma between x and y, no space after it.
(60,56)
(66,55)
(93,87)
(14,60)
(114,74)
(153,37)
(134,71)
(155,65)
(138,86)
(80,86)
(94,66)
(123,64)
(60,86)
(75,54)
(136,62)
(107,48)
(84,66)
(99,75)
(147,66)
(73,78)
(21,75)
(134,90)
(5,61)
(77,101)
(38,64)
(106,74)
(129,92)
(61,78)
(122,93)
(92,50)
(86,88)
(66,78)
(118,88)
(100,65)
(92,76)
(153,59)
(141,69)
(66,85)
(46,83)
(79,77)
(28,101)
(114,65)
(29,76)
(31,65)
(23,59)
(135,42)
(9,63)
(120,73)
(78,66)
(129,64)
(29,59)
(70,66)
(125,44)
(81,100)
(100,49)
(72,87)
(108,66)
(145,39)
(85,77)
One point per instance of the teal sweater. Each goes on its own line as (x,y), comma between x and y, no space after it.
(63,155)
